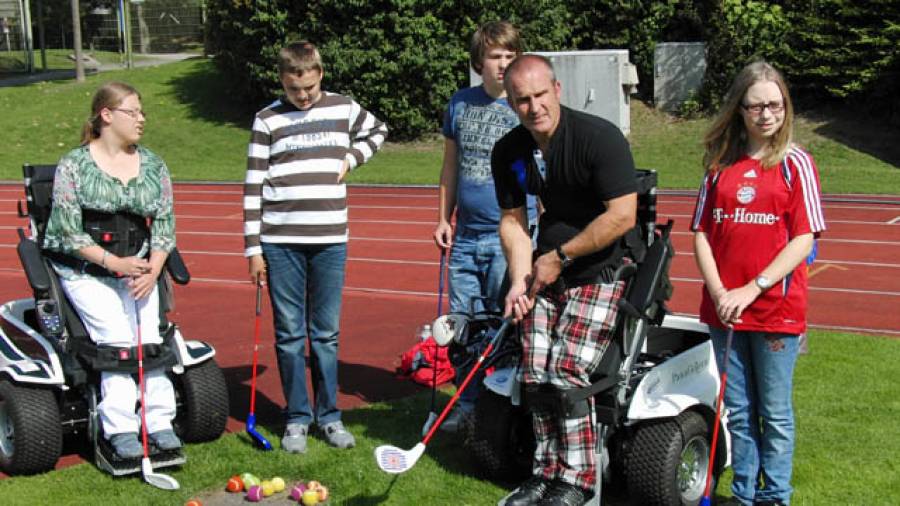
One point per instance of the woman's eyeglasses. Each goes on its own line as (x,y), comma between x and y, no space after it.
(134,113)
(757,109)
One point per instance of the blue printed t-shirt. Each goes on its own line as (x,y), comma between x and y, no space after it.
(475,121)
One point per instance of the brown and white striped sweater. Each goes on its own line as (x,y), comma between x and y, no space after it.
(292,193)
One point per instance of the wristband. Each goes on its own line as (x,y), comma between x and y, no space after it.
(103,260)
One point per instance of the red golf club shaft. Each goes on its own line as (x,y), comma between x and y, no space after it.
(256,333)
(140,347)
(719,401)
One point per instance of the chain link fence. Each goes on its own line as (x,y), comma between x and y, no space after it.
(157,26)
(12,36)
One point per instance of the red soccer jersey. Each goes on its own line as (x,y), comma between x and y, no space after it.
(748,215)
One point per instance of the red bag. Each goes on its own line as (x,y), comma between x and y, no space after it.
(418,363)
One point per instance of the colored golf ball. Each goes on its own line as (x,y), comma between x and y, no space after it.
(267,488)
(323,493)
(235,484)
(310,497)
(297,491)
(249,480)
(278,483)
(255,494)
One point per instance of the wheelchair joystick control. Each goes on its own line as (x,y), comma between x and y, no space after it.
(48,317)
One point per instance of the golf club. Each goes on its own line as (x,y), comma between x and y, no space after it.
(432,416)
(158,480)
(258,438)
(705,501)
(396,460)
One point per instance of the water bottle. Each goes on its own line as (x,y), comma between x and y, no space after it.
(425,332)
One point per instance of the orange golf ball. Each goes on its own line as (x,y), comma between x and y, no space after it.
(235,484)
(193,502)
(323,493)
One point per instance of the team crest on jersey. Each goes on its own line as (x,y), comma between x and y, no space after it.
(746,194)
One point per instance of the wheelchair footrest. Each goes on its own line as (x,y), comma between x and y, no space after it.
(106,459)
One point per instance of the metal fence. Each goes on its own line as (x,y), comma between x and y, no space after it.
(13,21)
(156,26)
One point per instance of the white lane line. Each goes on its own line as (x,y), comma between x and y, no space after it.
(349,259)
(813,288)
(841,328)
(894,221)
(823,261)
(237,205)
(663,216)
(826,239)
(346,288)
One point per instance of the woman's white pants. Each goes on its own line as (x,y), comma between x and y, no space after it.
(109,317)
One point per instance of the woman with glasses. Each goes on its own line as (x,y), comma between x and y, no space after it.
(757,214)
(110,231)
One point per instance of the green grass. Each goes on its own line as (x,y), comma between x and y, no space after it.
(202,135)
(847,403)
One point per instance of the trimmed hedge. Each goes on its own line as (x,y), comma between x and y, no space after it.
(402,59)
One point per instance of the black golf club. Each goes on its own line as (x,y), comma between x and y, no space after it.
(432,415)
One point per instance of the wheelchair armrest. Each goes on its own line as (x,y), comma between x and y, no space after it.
(176,268)
(33,263)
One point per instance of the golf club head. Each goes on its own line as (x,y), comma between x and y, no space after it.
(395,460)
(446,328)
(258,438)
(162,481)
(432,416)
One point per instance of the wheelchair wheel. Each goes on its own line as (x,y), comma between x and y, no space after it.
(668,461)
(502,439)
(30,430)
(202,402)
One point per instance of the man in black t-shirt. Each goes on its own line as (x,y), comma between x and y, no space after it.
(581,168)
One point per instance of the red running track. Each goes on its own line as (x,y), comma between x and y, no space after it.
(392,275)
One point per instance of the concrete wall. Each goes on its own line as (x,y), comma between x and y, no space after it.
(678,69)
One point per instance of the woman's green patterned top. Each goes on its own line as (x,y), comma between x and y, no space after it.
(80,184)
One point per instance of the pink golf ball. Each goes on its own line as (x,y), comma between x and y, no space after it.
(297,491)
(255,494)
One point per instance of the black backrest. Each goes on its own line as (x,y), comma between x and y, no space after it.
(39,195)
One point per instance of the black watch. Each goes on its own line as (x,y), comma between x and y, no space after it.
(563,258)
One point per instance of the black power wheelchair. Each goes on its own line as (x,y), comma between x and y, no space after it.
(50,369)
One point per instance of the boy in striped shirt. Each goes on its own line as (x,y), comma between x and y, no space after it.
(295,230)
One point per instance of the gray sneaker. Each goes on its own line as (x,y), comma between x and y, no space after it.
(126,445)
(166,440)
(337,435)
(294,440)
(459,420)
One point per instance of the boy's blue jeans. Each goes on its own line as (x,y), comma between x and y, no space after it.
(758,397)
(477,268)
(305,284)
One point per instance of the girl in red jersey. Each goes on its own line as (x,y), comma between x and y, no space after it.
(758,213)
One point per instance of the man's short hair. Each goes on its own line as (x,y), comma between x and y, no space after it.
(298,58)
(526,60)
(493,34)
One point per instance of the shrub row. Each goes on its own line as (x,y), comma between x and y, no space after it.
(402,59)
